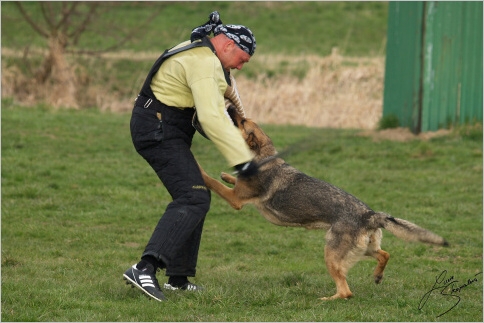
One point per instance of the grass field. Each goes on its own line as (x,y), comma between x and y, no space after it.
(289,27)
(78,206)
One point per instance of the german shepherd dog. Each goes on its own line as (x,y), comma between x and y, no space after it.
(287,197)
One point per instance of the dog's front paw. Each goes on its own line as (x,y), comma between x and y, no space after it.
(228,178)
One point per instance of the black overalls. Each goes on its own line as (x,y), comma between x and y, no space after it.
(166,146)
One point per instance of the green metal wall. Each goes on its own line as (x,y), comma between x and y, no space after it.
(403,62)
(433,72)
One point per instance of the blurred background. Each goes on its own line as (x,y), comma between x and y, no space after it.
(321,64)
(317,63)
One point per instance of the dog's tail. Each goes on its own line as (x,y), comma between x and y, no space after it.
(408,231)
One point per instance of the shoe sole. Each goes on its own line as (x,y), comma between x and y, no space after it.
(169,287)
(134,284)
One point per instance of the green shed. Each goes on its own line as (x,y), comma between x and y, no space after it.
(433,67)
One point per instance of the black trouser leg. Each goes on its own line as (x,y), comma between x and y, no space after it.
(185,261)
(176,238)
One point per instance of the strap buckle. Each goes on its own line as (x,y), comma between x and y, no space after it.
(147,103)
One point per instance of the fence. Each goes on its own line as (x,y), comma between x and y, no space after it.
(433,68)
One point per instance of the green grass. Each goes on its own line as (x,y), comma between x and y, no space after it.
(79,204)
(293,27)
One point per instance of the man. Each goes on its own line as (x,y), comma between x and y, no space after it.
(195,78)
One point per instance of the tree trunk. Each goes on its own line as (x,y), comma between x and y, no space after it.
(57,76)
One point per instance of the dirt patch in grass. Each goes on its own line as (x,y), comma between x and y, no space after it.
(403,134)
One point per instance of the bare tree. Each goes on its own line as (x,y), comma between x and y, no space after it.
(62,24)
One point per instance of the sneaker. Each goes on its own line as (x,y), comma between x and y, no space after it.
(187,286)
(145,281)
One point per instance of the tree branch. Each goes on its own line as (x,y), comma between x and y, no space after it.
(31,22)
(66,14)
(122,41)
(46,15)
(76,33)
(135,31)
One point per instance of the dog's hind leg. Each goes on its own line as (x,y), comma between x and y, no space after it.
(381,256)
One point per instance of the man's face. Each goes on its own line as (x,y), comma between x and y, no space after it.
(233,57)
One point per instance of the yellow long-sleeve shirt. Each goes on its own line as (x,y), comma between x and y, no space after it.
(195,79)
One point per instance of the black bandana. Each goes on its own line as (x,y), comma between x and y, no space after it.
(241,35)
(207,28)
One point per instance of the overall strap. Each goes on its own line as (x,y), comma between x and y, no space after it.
(146,89)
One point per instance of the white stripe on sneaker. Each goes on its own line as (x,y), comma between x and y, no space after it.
(146,281)
(191,287)
(148,284)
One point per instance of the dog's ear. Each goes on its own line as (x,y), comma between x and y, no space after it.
(252,142)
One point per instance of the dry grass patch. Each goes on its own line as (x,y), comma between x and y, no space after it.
(337,92)
(330,92)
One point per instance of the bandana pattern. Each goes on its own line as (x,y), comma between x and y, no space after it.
(240,34)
